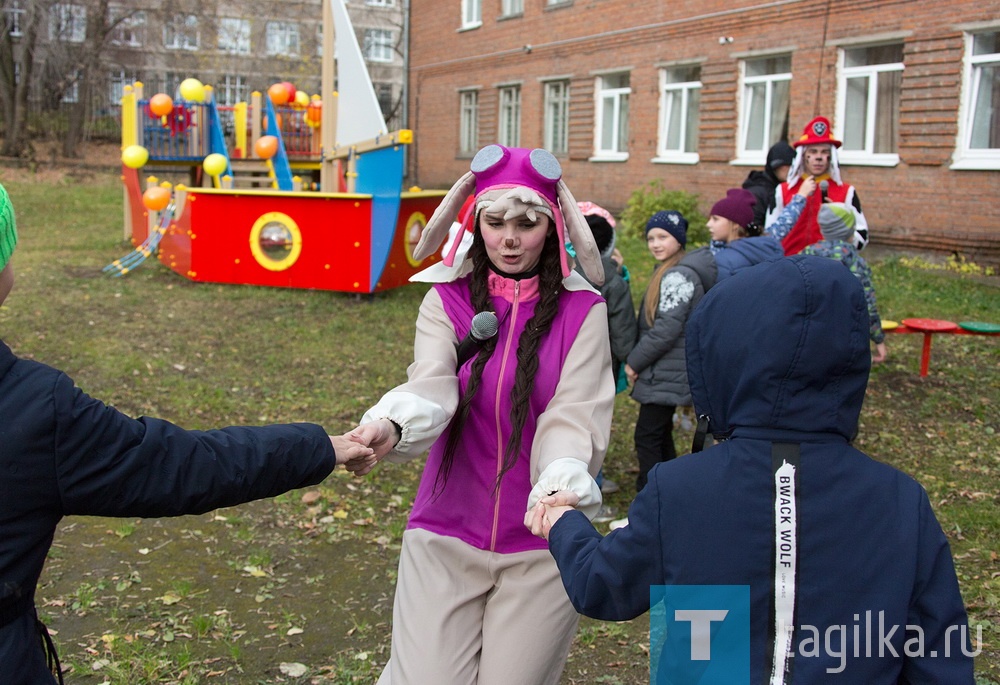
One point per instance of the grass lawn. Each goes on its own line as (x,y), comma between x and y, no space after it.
(307,578)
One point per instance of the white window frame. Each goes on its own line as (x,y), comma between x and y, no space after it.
(14,14)
(71,95)
(234,36)
(232,89)
(689,94)
(966,156)
(472,14)
(555,107)
(130,31)
(618,98)
(468,136)
(379,45)
(282,39)
(866,155)
(68,23)
(511,8)
(757,156)
(182,32)
(117,80)
(509,117)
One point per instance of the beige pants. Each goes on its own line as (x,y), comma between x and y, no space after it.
(465,616)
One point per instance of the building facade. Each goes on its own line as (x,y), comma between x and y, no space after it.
(694,93)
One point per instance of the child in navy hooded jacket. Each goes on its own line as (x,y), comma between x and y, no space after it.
(62,453)
(783,375)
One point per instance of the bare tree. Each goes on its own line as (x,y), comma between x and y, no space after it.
(18,45)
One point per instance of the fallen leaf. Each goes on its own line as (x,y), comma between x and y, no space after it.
(294,631)
(293,669)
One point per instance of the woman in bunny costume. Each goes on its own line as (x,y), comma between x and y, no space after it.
(478,598)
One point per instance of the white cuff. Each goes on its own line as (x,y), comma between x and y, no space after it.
(568,474)
(420,422)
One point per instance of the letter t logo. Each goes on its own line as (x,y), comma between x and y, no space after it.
(701,629)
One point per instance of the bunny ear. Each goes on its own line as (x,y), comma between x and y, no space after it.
(436,229)
(580,236)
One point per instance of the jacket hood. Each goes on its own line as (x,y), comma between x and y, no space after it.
(761,179)
(781,345)
(702,263)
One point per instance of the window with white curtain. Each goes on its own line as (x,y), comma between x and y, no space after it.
(764,106)
(232,90)
(379,45)
(611,109)
(468,143)
(868,90)
(472,13)
(555,135)
(234,35)
(510,8)
(509,132)
(68,23)
(979,129)
(129,29)
(117,80)
(680,97)
(282,38)
(180,32)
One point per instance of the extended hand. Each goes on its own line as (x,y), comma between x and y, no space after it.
(348,450)
(540,518)
(380,436)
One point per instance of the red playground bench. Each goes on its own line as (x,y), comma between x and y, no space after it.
(931,326)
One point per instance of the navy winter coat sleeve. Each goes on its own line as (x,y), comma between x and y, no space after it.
(63,452)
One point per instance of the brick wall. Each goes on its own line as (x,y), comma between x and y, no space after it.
(920,203)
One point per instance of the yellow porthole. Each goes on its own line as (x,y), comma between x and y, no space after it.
(275,241)
(414,227)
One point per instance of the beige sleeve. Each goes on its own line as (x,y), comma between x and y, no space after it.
(572,434)
(423,405)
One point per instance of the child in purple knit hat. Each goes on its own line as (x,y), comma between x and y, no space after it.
(738,241)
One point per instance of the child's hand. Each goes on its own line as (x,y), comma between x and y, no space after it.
(808,186)
(881,352)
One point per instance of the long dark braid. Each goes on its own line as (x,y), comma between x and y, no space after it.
(550,280)
(550,287)
(480,297)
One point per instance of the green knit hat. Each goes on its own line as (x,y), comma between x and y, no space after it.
(8,228)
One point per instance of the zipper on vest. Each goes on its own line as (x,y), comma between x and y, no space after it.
(497,410)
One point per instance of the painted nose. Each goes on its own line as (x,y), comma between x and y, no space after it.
(508,242)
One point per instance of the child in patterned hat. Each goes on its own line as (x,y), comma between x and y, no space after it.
(837,222)
(656,365)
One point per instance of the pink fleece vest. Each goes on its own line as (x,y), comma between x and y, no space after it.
(465,506)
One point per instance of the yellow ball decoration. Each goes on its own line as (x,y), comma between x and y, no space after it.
(215,164)
(135,156)
(193,90)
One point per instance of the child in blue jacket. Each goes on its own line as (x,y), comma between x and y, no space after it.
(829,541)
(62,453)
